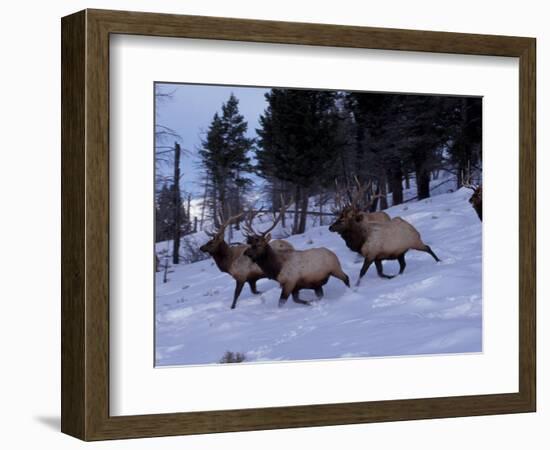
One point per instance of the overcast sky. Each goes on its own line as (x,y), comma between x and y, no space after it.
(190,111)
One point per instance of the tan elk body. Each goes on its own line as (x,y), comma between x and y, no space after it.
(377,216)
(391,240)
(388,240)
(377,240)
(293,269)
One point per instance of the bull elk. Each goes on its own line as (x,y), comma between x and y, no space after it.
(476,198)
(296,269)
(378,240)
(231,259)
(353,221)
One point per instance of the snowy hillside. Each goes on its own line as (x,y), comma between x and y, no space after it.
(431,308)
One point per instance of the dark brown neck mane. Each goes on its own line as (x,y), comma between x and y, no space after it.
(269,262)
(354,238)
(223,257)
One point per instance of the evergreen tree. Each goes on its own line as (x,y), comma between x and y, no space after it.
(464,147)
(224,156)
(401,133)
(165,217)
(298,142)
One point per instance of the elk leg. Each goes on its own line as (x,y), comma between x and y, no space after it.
(319,292)
(297,298)
(380,271)
(238,289)
(252,284)
(427,249)
(366,265)
(402,263)
(284,297)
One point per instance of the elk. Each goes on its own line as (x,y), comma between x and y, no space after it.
(378,240)
(476,201)
(352,222)
(295,269)
(231,259)
(476,198)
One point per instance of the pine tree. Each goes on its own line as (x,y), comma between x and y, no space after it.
(465,138)
(298,142)
(165,223)
(224,157)
(163,215)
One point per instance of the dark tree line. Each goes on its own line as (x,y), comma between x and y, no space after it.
(309,139)
(299,145)
(310,142)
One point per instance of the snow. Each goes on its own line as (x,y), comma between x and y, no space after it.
(433,308)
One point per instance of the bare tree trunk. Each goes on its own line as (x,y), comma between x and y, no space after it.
(321,209)
(165,276)
(396,186)
(237,202)
(296,203)
(374,205)
(204,202)
(283,216)
(177,205)
(214,197)
(407,180)
(303,211)
(422,183)
(422,172)
(383,193)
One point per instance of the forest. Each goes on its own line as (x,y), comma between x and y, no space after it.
(311,146)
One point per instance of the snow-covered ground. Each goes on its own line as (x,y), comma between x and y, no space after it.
(432,308)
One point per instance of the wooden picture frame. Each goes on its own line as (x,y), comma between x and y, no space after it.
(85,224)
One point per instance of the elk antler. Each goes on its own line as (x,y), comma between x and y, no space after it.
(467,183)
(249,229)
(360,193)
(224,223)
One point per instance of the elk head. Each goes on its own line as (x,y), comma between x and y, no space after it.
(351,211)
(346,216)
(258,241)
(476,198)
(217,236)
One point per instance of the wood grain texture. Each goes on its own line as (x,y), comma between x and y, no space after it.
(85,224)
(73,108)
(527,223)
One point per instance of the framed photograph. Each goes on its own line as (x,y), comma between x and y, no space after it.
(273,225)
